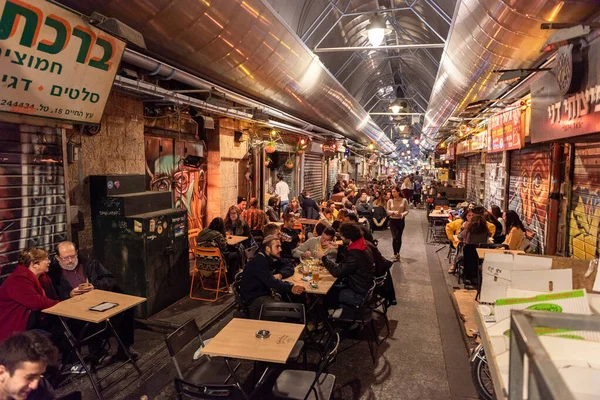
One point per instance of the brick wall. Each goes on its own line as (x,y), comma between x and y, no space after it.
(117,149)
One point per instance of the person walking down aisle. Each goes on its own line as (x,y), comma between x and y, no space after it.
(397,209)
(283,191)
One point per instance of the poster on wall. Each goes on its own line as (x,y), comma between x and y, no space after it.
(561,106)
(477,142)
(504,131)
(53,63)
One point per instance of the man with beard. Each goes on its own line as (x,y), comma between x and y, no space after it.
(73,275)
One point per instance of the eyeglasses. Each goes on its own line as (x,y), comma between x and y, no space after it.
(69,258)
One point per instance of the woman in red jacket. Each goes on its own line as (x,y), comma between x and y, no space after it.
(22,295)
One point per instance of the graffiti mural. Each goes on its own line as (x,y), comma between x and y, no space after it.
(166,172)
(32,191)
(494,180)
(585,204)
(528,193)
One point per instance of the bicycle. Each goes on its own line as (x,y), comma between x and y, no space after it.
(480,372)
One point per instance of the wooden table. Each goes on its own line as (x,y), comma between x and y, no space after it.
(78,308)
(305,221)
(232,240)
(237,340)
(326,281)
(439,215)
(482,252)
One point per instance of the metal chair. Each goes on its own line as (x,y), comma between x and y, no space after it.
(237,292)
(361,315)
(192,235)
(211,370)
(303,385)
(209,259)
(287,312)
(377,302)
(186,390)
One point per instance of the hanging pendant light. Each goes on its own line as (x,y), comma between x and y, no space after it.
(376,30)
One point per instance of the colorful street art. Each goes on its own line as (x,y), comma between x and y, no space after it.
(32,191)
(528,194)
(166,172)
(584,222)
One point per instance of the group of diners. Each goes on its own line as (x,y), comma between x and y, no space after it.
(477,226)
(36,284)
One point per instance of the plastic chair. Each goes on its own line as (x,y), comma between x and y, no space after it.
(300,385)
(209,259)
(211,370)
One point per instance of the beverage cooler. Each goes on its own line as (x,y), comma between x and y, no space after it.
(141,239)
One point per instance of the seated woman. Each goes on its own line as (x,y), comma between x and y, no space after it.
(515,239)
(271,209)
(498,235)
(380,217)
(234,224)
(22,296)
(475,232)
(293,207)
(214,236)
(342,214)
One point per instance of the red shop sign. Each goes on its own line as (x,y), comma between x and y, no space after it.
(504,131)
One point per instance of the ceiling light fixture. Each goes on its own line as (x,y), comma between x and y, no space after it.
(417,141)
(376,30)
(405,141)
(402,127)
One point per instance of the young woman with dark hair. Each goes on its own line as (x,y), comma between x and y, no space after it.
(397,209)
(214,236)
(498,235)
(475,232)
(496,212)
(234,224)
(515,239)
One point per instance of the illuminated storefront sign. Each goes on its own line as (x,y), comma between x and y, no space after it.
(561,110)
(505,131)
(53,63)
(477,141)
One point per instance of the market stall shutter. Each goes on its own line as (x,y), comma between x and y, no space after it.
(475,179)
(461,172)
(584,219)
(528,192)
(313,175)
(33,206)
(495,178)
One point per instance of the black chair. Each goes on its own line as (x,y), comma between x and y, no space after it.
(242,305)
(303,385)
(361,315)
(211,370)
(186,390)
(287,312)
(470,262)
(379,304)
(258,235)
(493,246)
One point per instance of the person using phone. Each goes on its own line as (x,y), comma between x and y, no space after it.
(73,275)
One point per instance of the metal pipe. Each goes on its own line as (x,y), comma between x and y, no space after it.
(334,24)
(150,64)
(381,11)
(395,114)
(385,47)
(428,25)
(439,11)
(310,29)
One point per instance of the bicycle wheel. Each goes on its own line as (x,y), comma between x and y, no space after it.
(481,376)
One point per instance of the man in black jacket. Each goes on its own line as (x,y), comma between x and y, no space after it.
(258,279)
(356,270)
(310,209)
(73,275)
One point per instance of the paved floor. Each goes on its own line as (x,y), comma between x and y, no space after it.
(425,356)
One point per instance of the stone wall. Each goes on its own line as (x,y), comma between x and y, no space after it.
(225,168)
(117,149)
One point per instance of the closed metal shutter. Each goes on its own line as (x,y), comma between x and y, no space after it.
(33,206)
(584,221)
(495,178)
(313,175)
(461,172)
(475,179)
(528,193)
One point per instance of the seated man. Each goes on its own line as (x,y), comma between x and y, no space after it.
(289,221)
(23,360)
(69,270)
(258,279)
(356,269)
(324,243)
(281,266)
(255,217)
(366,232)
